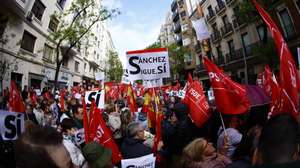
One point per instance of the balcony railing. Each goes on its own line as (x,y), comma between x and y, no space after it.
(229,2)
(290,32)
(174,5)
(220,7)
(215,36)
(177,27)
(237,22)
(235,55)
(175,16)
(226,29)
(220,60)
(211,15)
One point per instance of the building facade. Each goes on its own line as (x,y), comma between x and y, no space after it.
(24,30)
(242,46)
(184,34)
(166,35)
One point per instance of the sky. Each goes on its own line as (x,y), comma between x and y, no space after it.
(138,25)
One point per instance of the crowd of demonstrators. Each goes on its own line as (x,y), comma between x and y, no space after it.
(249,140)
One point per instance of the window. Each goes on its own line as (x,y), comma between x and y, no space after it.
(84,66)
(246,44)
(97,56)
(225,20)
(28,41)
(287,24)
(3,24)
(53,24)
(48,53)
(297,2)
(210,10)
(61,3)
(65,64)
(38,9)
(183,14)
(219,51)
(76,66)
(231,47)
(262,32)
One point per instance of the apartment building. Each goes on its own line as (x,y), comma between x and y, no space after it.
(184,34)
(240,46)
(24,29)
(166,34)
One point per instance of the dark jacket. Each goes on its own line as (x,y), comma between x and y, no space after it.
(133,148)
(294,164)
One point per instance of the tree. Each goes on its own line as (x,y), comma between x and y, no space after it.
(74,28)
(114,70)
(176,56)
(154,45)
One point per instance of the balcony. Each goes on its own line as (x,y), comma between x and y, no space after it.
(177,27)
(230,2)
(220,7)
(198,47)
(178,39)
(174,5)
(238,22)
(235,56)
(226,29)
(211,15)
(215,36)
(175,16)
(290,32)
(220,60)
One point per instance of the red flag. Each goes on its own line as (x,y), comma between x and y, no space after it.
(176,87)
(289,76)
(85,122)
(230,97)
(101,134)
(198,106)
(131,99)
(280,102)
(46,95)
(16,103)
(62,99)
(33,97)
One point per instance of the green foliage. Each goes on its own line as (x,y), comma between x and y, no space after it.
(176,57)
(114,70)
(75,25)
(154,45)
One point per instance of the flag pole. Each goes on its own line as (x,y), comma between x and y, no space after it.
(223,125)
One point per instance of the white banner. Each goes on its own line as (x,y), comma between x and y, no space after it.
(11,125)
(201,29)
(152,83)
(147,161)
(99,76)
(148,64)
(98,96)
(79,136)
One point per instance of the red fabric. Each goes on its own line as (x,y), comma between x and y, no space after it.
(62,99)
(16,103)
(85,122)
(280,102)
(176,87)
(101,134)
(198,106)
(230,97)
(46,95)
(111,91)
(131,99)
(289,76)
(33,98)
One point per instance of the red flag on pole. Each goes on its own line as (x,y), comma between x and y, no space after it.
(101,134)
(85,122)
(16,103)
(131,99)
(230,97)
(62,99)
(196,101)
(289,76)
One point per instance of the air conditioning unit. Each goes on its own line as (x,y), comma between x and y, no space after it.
(30,16)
